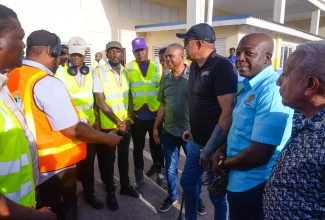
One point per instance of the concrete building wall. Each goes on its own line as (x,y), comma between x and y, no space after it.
(305,25)
(99,21)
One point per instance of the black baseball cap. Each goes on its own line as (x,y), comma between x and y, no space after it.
(200,31)
(42,38)
(64,49)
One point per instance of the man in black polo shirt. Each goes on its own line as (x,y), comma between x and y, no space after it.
(212,89)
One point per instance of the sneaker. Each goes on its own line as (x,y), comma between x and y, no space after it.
(201,207)
(151,171)
(168,202)
(161,179)
(94,202)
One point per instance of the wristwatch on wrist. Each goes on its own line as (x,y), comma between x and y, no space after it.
(130,119)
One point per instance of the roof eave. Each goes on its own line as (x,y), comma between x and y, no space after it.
(233,20)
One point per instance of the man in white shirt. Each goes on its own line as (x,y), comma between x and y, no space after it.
(55,123)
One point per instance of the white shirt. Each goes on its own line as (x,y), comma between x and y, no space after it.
(98,88)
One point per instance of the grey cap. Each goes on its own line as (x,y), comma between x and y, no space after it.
(113,44)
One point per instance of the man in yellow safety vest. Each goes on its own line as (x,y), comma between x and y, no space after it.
(18,158)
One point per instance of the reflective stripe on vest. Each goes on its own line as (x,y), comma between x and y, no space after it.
(56,151)
(116,96)
(15,165)
(16,171)
(145,89)
(82,96)
(25,189)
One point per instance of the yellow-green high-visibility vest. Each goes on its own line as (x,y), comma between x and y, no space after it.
(16,171)
(116,96)
(145,89)
(82,96)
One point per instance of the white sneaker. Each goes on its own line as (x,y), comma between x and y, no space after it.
(161,178)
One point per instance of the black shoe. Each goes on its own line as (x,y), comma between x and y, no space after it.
(130,191)
(151,171)
(111,201)
(168,202)
(201,207)
(94,202)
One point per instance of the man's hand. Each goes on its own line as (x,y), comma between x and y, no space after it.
(47,214)
(121,126)
(156,136)
(96,125)
(203,162)
(187,135)
(114,139)
(217,161)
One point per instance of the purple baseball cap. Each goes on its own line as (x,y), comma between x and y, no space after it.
(138,43)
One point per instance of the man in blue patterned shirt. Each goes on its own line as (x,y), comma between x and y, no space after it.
(296,188)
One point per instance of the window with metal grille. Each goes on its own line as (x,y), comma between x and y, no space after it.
(285,53)
(148,10)
(88,56)
(220,45)
(156,50)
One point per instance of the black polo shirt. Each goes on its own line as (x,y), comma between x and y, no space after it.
(215,78)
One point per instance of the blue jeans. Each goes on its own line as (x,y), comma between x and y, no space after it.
(171,147)
(191,182)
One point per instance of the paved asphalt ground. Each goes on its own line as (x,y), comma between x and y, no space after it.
(144,208)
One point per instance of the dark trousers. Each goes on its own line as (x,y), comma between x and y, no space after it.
(85,168)
(139,130)
(246,205)
(59,193)
(109,155)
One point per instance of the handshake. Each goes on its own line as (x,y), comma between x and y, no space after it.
(219,185)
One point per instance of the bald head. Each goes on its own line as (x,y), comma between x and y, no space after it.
(254,53)
(98,56)
(262,41)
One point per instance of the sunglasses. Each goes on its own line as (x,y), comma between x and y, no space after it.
(187,40)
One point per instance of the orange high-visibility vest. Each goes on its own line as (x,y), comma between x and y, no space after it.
(55,150)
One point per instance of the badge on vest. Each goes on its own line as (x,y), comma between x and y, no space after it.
(249,99)
(156,76)
(19,102)
(205,73)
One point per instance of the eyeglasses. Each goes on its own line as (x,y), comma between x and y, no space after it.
(187,40)
(235,99)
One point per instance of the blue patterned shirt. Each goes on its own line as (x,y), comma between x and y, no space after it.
(296,188)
